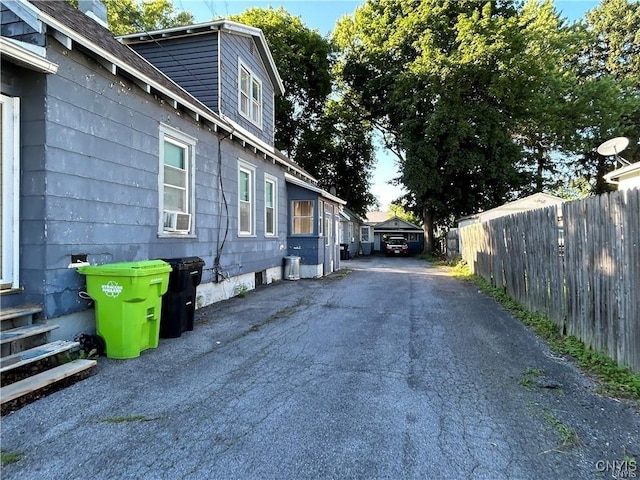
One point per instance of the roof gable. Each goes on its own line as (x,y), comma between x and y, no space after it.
(397,223)
(223,26)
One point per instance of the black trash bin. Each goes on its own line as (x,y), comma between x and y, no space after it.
(344,251)
(179,303)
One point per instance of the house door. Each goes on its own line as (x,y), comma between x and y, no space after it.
(376,242)
(329,239)
(9,191)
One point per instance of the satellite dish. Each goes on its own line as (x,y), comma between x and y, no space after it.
(613,147)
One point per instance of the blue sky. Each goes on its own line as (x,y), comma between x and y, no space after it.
(322,16)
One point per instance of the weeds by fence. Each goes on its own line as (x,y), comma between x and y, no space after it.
(579,265)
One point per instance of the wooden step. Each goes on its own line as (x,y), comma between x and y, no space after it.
(44,379)
(34,354)
(18,316)
(14,334)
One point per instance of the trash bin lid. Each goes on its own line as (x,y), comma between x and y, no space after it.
(185,261)
(127,269)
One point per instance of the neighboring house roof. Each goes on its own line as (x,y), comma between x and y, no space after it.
(70,26)
(537,200)
(396,223)
(351,216)
(225,26)
(377,217)
(627,176)
(296,181)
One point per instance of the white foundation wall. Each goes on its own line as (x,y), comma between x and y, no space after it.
(310,271)
(210,293)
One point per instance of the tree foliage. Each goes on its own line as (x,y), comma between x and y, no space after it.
(130,16)
(608,69)
(485,101)
(439,77)
(398,210)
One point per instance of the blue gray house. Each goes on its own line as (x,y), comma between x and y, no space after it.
(157,145)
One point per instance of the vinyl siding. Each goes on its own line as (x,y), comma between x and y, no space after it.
(191,62)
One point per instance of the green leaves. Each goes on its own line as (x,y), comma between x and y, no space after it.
(482,99)
(129,16)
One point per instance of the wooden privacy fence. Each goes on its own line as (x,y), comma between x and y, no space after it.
(580,266)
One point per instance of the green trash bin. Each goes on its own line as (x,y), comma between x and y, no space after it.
(128,303)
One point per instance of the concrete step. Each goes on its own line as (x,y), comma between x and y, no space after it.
(43,379)
(34,354)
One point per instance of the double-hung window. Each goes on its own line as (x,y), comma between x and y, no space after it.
(10,191)
(176,181)
(302,217)
(246,195)
(250,96)
(270,205)
(365,234)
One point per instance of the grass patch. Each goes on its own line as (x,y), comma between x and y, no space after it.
(530,376)
(7,458)
(241,290)
(128,418)
(340,274)
(568,435)
(614,380)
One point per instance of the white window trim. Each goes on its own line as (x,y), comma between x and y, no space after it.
(251,170)
(252,76)
(274,181)
(366,228)
(179,138)
(313,206)
(10,274)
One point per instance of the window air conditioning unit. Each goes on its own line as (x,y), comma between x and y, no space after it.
(176,221)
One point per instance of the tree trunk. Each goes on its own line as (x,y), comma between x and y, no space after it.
(427,226)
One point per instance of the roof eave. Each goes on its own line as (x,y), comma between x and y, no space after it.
(24,56)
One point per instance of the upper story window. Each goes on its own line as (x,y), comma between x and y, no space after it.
(302,217)
(250,96)
(176,181)
(270,205)
(246,196)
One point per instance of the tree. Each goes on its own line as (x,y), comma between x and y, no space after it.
(440,78)
(398,210)
(549,116)
(130,16)
(608,68)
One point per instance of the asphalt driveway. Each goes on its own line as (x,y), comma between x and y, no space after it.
(391,370)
